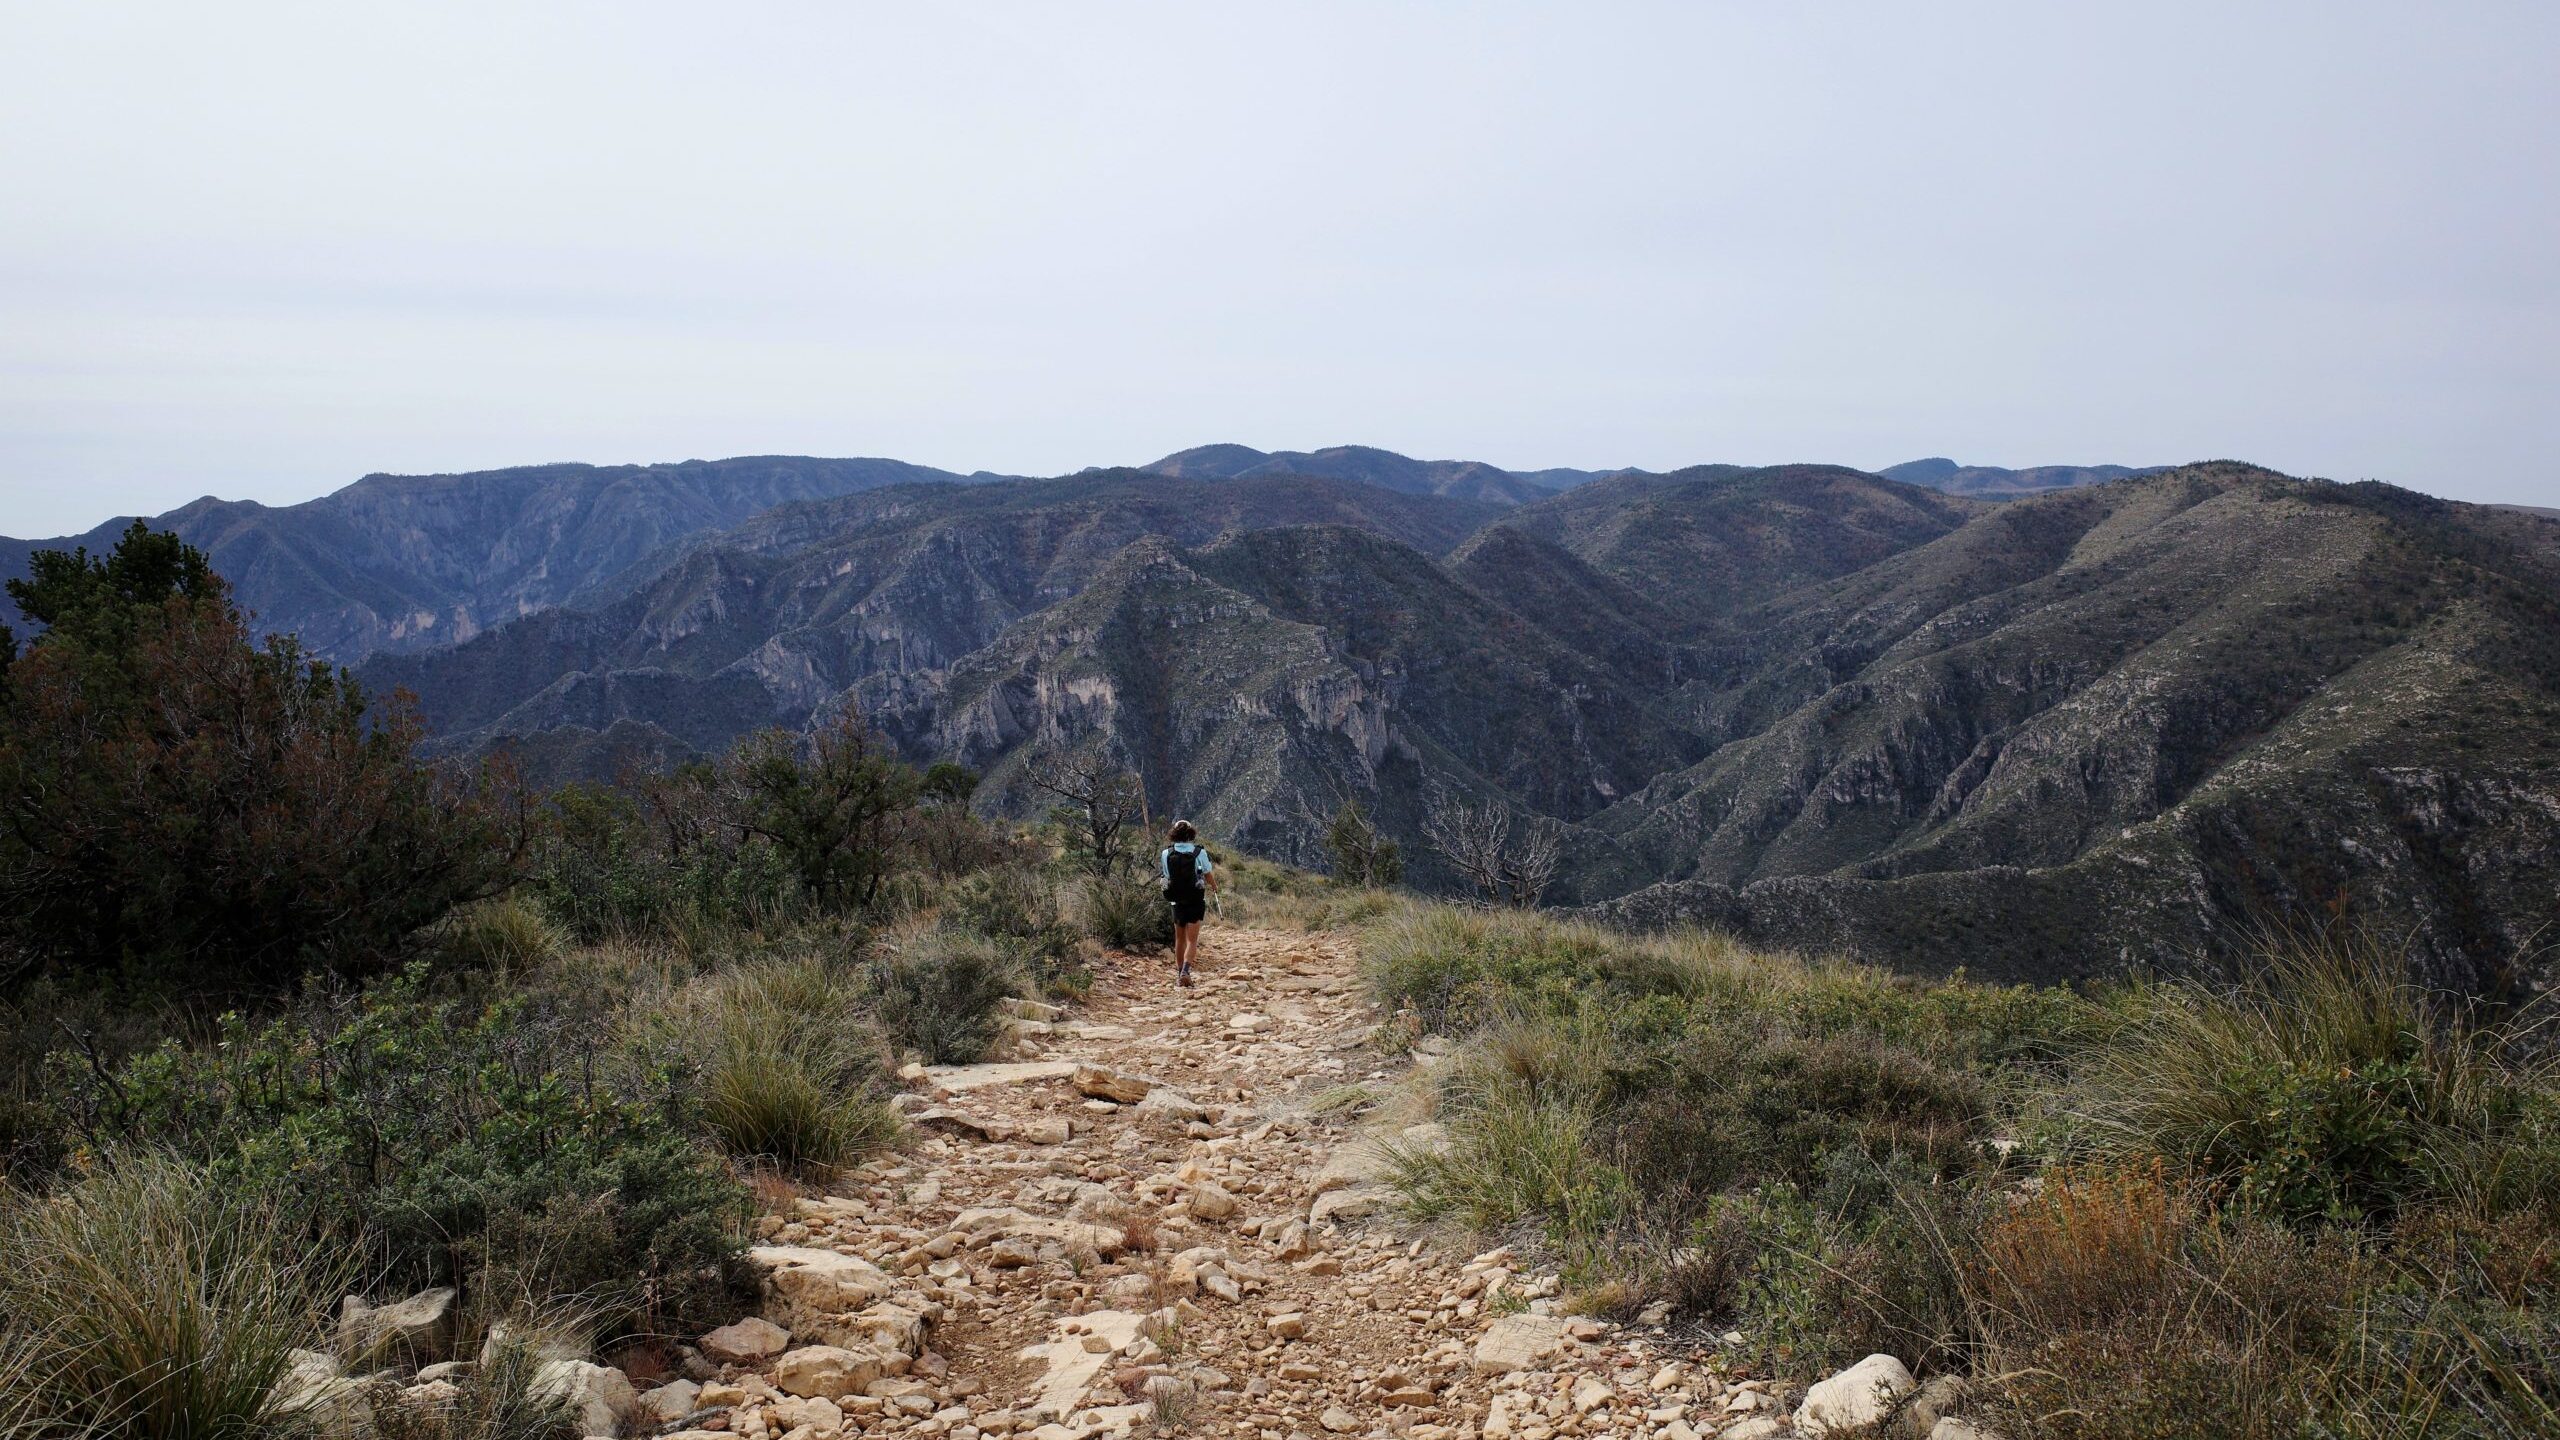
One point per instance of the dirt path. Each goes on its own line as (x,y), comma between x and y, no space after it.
(1160,1216)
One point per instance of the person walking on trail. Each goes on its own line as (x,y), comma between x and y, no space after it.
(1188,875)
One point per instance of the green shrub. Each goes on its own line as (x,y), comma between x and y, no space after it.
(1127,912)
(506,1145)
(2324,1087)
(782,828)
(941,993)
(1523,1121)
(149,1299)
(1018,907)
(510,934)
(615,864)
(792,1070)
(181,804)
(1745,1100)
(1362,855)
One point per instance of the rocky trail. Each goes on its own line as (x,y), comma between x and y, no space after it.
(1157,1217)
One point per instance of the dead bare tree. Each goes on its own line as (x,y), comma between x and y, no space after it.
(1099,801)
(1504,867)
(1529,865)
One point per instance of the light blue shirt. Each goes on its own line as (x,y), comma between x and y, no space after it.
(1164,861)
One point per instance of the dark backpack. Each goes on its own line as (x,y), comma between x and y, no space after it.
(1182,875)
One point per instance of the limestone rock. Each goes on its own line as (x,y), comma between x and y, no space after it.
(751,1341)
(1045,1130)
(1210,1201)
(431,1395)
(1859,1396)
(544,1344)
(597,1396)
(804,1285)
(313,1384)
(1349,1204)
(1518,1342)
(1011,1223)
(670,1402)
(1168,1107)
(1105,1083)
(827,1371)
(419,1328)
(891,1328)
(1072,1366)
(1360,1162)
(1937,1400)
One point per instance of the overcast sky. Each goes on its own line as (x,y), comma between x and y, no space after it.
(259,250)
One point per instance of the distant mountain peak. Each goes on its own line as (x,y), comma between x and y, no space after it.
(1371,465)
(1993,482)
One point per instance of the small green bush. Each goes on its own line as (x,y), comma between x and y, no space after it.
(941,993)
(1018,907)
(2326,1086)
(1523,1144)
(150,1299)
(614,864)
(505,1144)
(792,1070)
(510,934)
(1127,912)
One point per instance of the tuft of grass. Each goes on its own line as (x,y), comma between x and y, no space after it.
(1139,1230)
(1172,1404)
(792,1072)
(510,935)
(144,1300)
(1268,896)
(1523,1116)
(941,993)
(2325,1085)
(1127,911)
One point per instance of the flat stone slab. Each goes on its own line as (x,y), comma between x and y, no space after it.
(1349,1204)
(956,1078)
(1072,1366)
(1012,1223)
(1519,1342)
(1359,1161)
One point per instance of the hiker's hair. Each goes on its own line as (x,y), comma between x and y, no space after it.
(1182,833)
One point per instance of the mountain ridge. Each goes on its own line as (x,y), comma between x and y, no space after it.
(394,563)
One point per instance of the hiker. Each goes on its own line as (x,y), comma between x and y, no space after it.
(1188,877)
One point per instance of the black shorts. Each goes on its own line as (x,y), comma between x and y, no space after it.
(1188,911)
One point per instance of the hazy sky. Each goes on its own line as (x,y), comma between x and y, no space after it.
(259,250)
